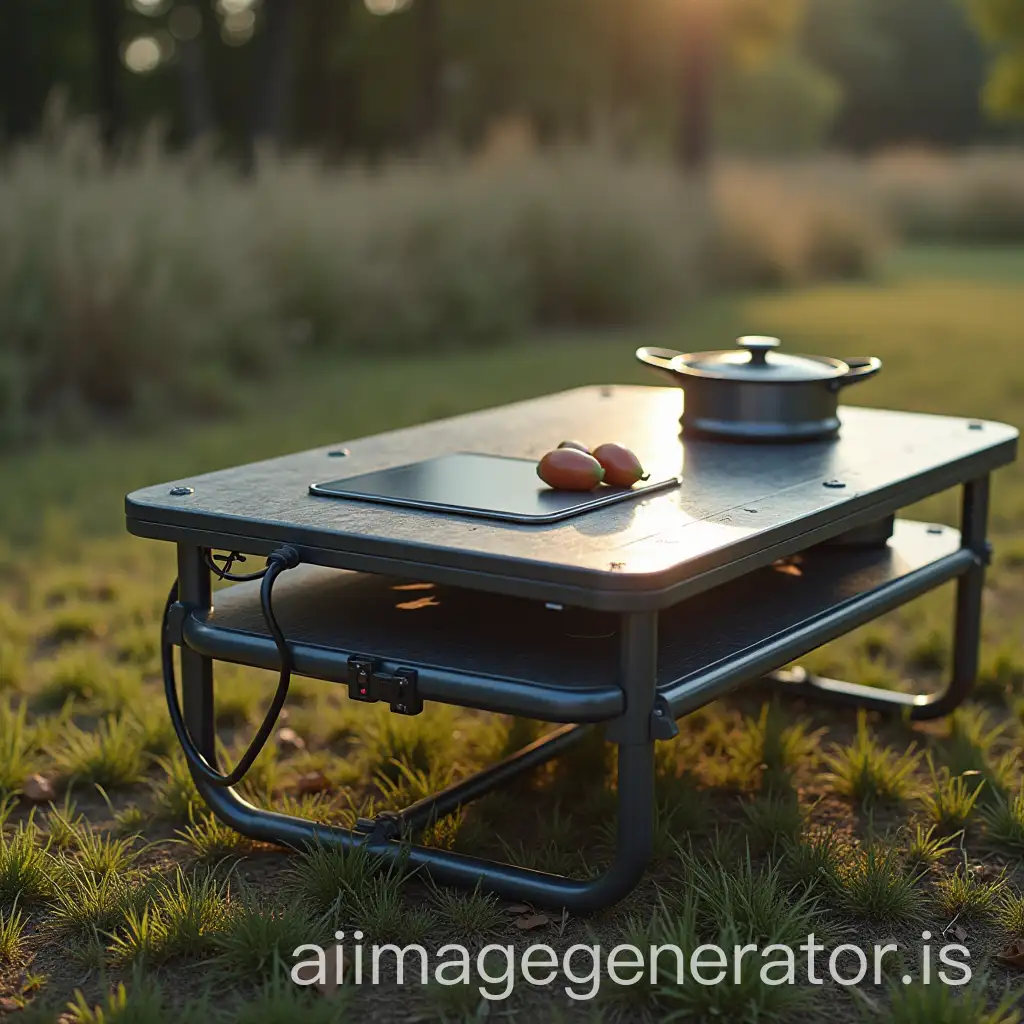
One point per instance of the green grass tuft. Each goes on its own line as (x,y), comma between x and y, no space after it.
(175,797)
(868,773)
(110,755)
(1004,823)
(876,887)
(12,928)
(965,896)
(472,915)
(278,1001)
(17,746)
(932,1004)
(926,848)
(814,861)
(950,801)
(1010,910)
(88,905)
(210,841)
(772,819)
(100,853)
(258,934)
(328,878)
(26,867)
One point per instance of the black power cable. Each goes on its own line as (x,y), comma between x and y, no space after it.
(277,562)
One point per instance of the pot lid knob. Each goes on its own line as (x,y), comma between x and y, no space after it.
(758,345)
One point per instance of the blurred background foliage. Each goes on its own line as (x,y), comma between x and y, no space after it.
(192,192)
(380,76)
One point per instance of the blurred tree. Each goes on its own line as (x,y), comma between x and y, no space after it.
(190,30)
(326,100)
(430,58)
(910,70)
(272,80)
(106,28)
(1002,23)
(372,76)
(733,33)
(782,105)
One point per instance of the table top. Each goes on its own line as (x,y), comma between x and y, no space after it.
(738,507)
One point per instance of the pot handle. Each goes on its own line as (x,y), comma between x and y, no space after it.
(861,368)
(660,359)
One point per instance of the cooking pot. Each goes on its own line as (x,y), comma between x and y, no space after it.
(755,393)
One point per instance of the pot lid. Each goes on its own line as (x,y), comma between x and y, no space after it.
(755,359)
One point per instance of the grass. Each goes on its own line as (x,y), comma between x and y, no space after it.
(1004,823)
(730,906)
(110,755)
(779,839)
(25,866)
(87,905)
(814,861)
(328,878)
(949,802)
(17,746)
(191,911)
(868,773)
(964,896)
(257,935)
(877,887)
(210,841)
(99,853)
(769,748)
(175,796)
(1010,910)
(12,927)
(474,915)
(925,848)
(773,819)
(926,1004)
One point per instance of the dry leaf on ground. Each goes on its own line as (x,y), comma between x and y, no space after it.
(532,922)
(1013,955)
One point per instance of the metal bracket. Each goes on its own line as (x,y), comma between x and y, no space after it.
(176,615)
(663,725)
(387,825)
(367,682)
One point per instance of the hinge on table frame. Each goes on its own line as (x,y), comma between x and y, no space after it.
(369,684)
(176,616)
(387,825)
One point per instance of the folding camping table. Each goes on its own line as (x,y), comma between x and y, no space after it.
(632,615)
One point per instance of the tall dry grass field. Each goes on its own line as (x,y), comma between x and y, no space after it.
(159,280)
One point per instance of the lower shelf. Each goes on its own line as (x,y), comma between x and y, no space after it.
(521,657)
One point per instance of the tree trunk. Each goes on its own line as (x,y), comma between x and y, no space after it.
(327,89)
(17,100)
(431,68)
(195,88)
(695,123)
(274,65)
(106,27)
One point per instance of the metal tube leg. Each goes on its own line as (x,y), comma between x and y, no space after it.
(966,633)
(638,671)
(969,592)
(633,734)
(196,670)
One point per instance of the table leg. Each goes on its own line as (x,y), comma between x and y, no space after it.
(633,734)
(196,670)
(966,634)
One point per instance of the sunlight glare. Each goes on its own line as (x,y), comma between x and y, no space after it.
(142,55)
(386,6)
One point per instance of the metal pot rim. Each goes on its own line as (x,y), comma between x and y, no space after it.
(836,368)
